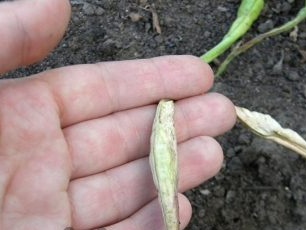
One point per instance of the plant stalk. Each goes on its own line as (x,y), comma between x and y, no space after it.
(248,12)
(301,16)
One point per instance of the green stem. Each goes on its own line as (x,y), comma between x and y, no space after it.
(248,12)
(284,28)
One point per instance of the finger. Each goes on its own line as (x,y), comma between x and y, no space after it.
(114,195)
(89,91)
(100,144)
(29,30)
(212,115)
(150,217)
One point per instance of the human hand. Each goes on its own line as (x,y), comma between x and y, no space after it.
(74,141)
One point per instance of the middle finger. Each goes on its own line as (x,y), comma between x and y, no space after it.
(100,144)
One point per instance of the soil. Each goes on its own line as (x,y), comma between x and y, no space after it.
(261,185)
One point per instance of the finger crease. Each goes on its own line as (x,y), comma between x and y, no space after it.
(106,79)
(24,38)
(160,75)
(114,187)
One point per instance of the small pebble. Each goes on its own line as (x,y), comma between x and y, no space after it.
(219,191)
(266,26)
(99,11)
(88,9)
(205,192)
(286,7)
(230,196)
(222,9)
(207,34)
(201,213)
(293,76)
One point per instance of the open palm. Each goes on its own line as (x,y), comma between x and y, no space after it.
(74,141)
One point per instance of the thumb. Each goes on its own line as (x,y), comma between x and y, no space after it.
(30,29)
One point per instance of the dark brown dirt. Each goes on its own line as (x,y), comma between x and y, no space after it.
(261,185)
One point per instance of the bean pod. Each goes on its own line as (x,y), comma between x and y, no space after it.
(164,162)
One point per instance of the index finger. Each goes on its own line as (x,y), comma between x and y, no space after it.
(86,92)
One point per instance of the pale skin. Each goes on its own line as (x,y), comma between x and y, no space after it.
(74,141)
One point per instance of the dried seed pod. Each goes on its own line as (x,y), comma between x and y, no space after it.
(164,163)
(265,126)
